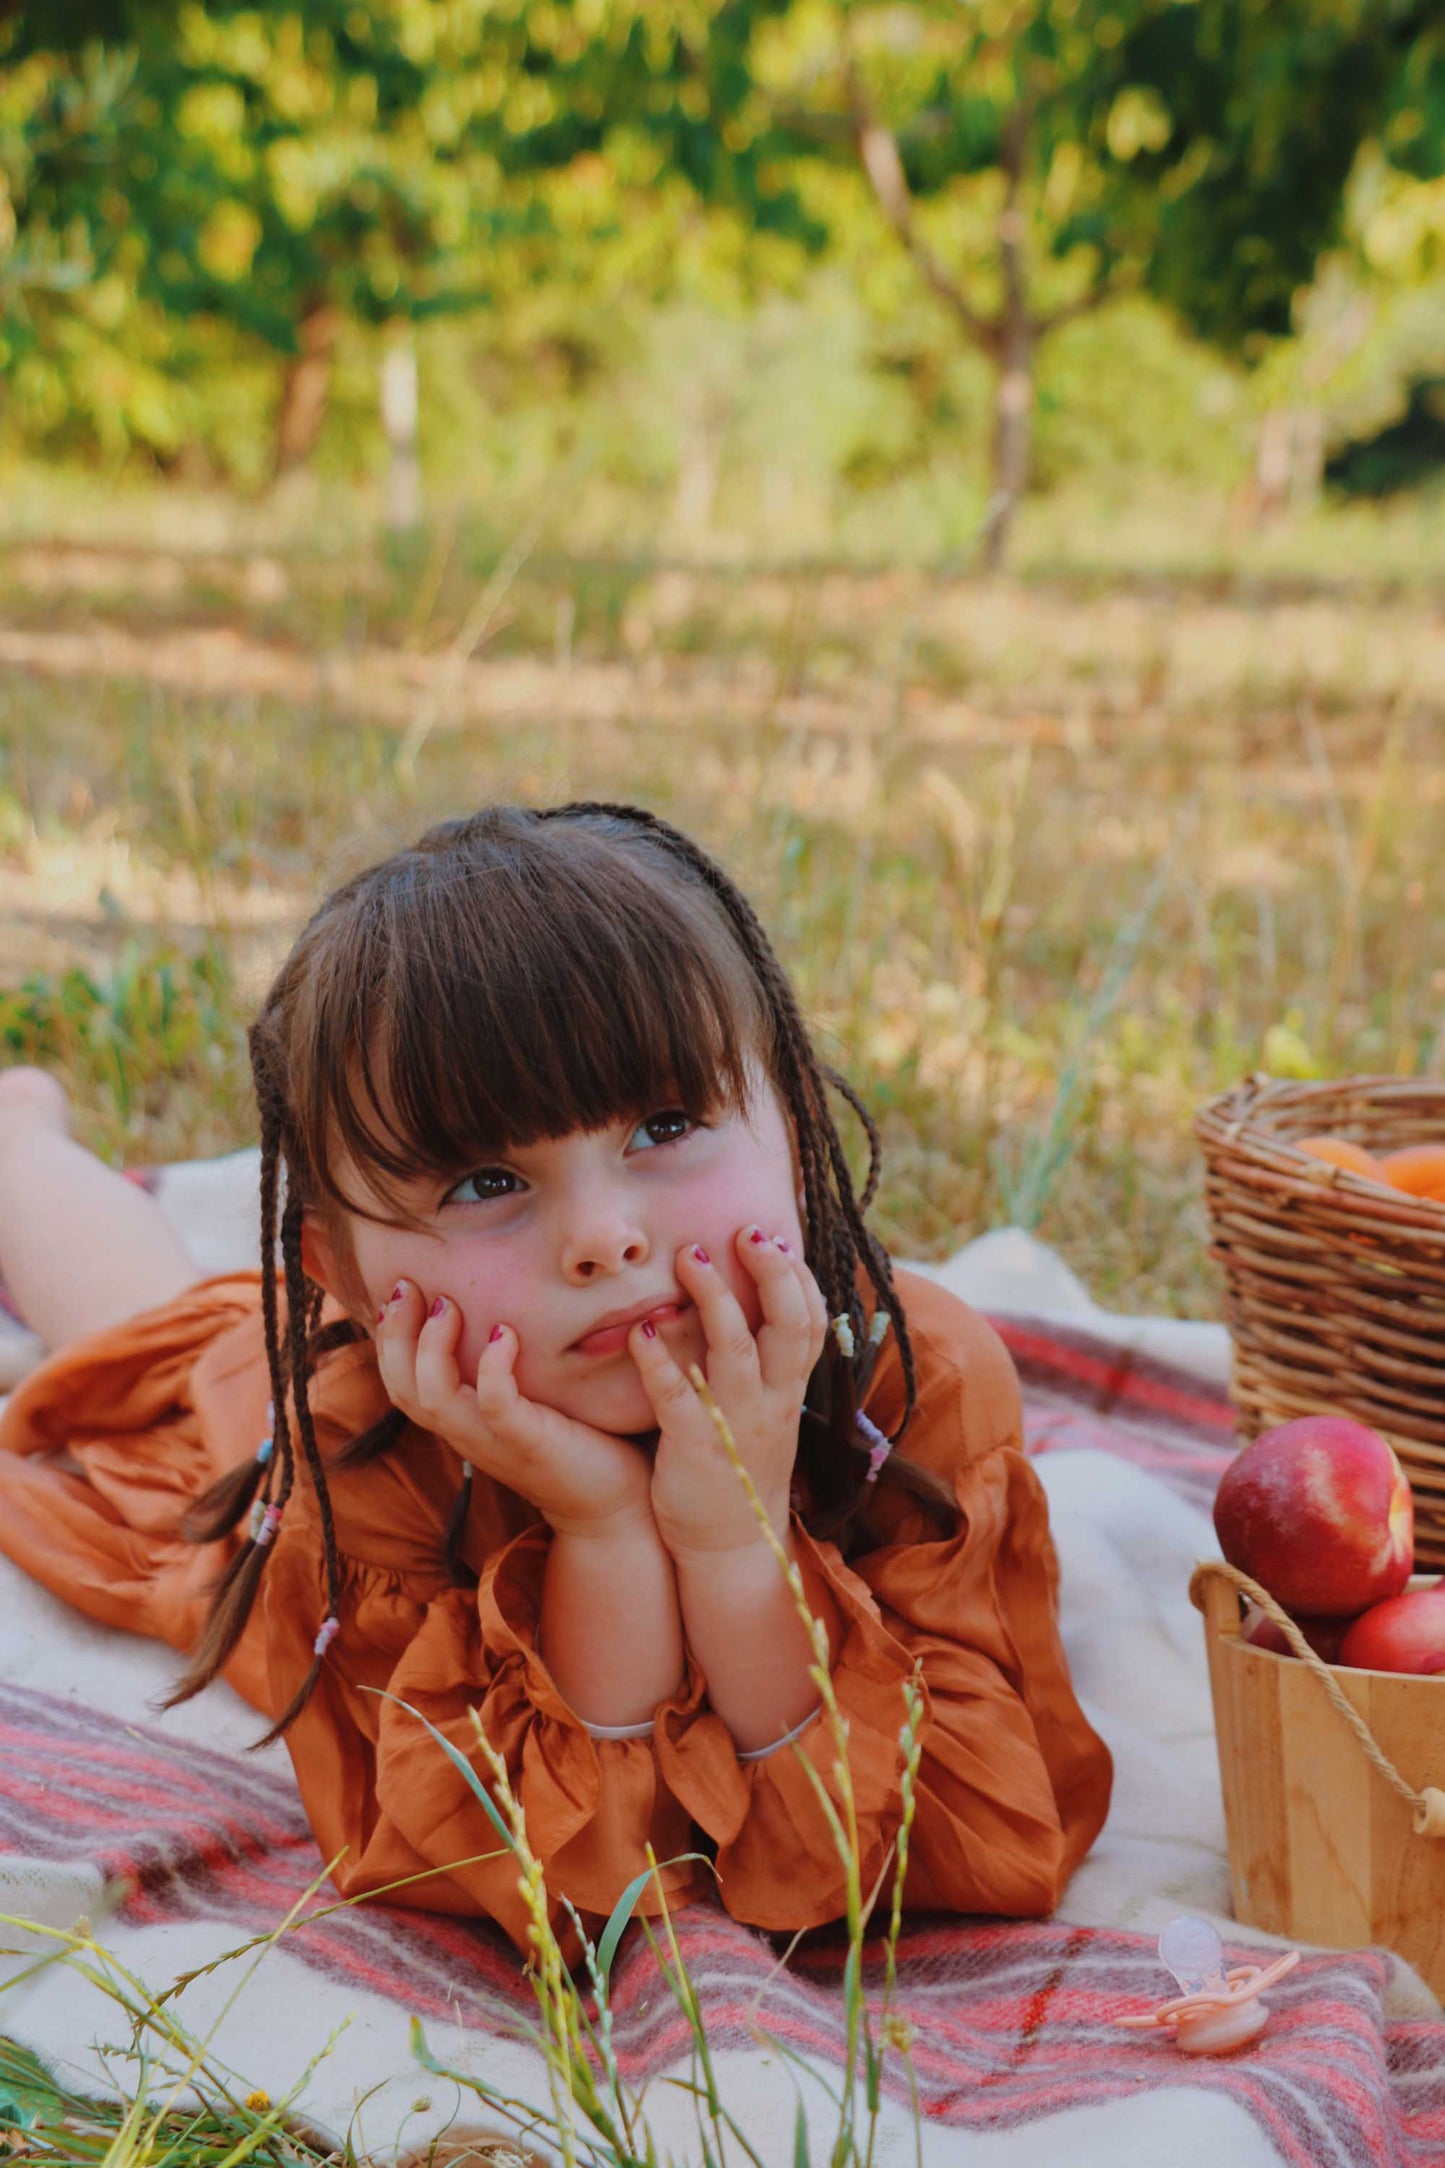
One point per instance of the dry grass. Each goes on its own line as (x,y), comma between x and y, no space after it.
(1050,859)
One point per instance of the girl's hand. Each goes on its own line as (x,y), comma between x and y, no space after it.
(758,1381)
(584,1481)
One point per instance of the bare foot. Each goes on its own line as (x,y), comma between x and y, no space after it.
(32,1099)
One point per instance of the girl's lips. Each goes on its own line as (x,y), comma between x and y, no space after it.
(613,1337)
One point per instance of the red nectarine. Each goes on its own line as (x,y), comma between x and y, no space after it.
(1324,1635)
(1319,1513)
(1405,1633)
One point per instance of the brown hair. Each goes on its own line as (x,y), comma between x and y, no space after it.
(517,975)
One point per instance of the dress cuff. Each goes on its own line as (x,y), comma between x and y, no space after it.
(761,1753)
(721,1787)
(604,1731)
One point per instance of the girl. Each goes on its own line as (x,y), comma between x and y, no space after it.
(541,1128)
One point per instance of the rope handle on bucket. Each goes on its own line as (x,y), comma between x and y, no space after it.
(1427,1806)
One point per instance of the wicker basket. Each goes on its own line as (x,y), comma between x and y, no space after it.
(1334,1285)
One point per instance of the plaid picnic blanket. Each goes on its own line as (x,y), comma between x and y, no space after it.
(1013,2043)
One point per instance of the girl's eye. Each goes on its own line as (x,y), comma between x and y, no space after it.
(668,1126)
(482,1185)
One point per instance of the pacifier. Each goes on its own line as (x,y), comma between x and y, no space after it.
(1216,2011)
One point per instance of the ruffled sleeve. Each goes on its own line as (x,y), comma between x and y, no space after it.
(1013,1785)
(387,1806)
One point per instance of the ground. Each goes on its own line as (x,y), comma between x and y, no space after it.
(1052,858)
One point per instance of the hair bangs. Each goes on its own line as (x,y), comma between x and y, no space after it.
(500,1005)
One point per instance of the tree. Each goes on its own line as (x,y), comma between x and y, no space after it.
(1035,158)
(285,170)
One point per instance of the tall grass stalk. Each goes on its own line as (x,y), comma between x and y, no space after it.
(229,2121)
(1024,1187)
(614,2131)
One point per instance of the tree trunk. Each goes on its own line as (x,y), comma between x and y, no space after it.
(400,408)
(303,394)
(1016,338)
(1013,415)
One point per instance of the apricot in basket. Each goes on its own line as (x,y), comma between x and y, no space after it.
(1418,1168)
(1340,1152)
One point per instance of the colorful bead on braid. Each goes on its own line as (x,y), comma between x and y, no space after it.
(880,1444)
(265,1520)
(843,1334)
(878,1330)
(330,1628)
(263,1451)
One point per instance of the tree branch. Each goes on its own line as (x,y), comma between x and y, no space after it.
(878,155)
(1109,288)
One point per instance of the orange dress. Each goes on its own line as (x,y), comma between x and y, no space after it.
(104,1445)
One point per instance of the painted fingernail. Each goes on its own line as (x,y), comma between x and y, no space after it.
(755,1234)
(396,1294)
(701,1254)
(649,1330)
(785,1247)
(381,1315)
(438,1306)
(496,1333)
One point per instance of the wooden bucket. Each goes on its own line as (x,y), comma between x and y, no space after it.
(1324,1846)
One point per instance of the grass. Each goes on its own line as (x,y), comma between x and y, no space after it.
(952,800)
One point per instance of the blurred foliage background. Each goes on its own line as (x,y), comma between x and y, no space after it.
(784,266)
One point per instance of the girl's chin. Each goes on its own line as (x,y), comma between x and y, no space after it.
(622,1413)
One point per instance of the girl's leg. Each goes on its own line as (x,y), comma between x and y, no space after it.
(80,1247)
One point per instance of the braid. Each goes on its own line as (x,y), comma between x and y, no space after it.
(269,1102)
(840,1084)
(267,1484)
(302,1311)
(456,1565)
(838,1239)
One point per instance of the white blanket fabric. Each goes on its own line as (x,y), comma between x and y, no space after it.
(1127,1545)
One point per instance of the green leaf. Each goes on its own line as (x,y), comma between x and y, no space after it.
(618,1918)
(873,2067)
(800,2138)
(26,2087)
(459,1761)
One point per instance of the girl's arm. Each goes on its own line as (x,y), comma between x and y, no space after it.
(1012,1784)
(609,1619)
(750,1644)
(611,1630)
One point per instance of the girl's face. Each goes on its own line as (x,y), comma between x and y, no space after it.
(557,1239)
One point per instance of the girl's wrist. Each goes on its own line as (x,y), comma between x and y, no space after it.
(620,1524)
(746,1547)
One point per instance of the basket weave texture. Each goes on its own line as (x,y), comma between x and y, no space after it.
(1334,1284)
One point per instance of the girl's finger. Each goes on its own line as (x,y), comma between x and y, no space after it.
(397,1324)
(729,1335)
(817,1309)
(500,1402)
(674,1399)
(438,1377)
(784,1335)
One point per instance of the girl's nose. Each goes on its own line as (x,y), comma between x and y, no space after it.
(605,1244)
